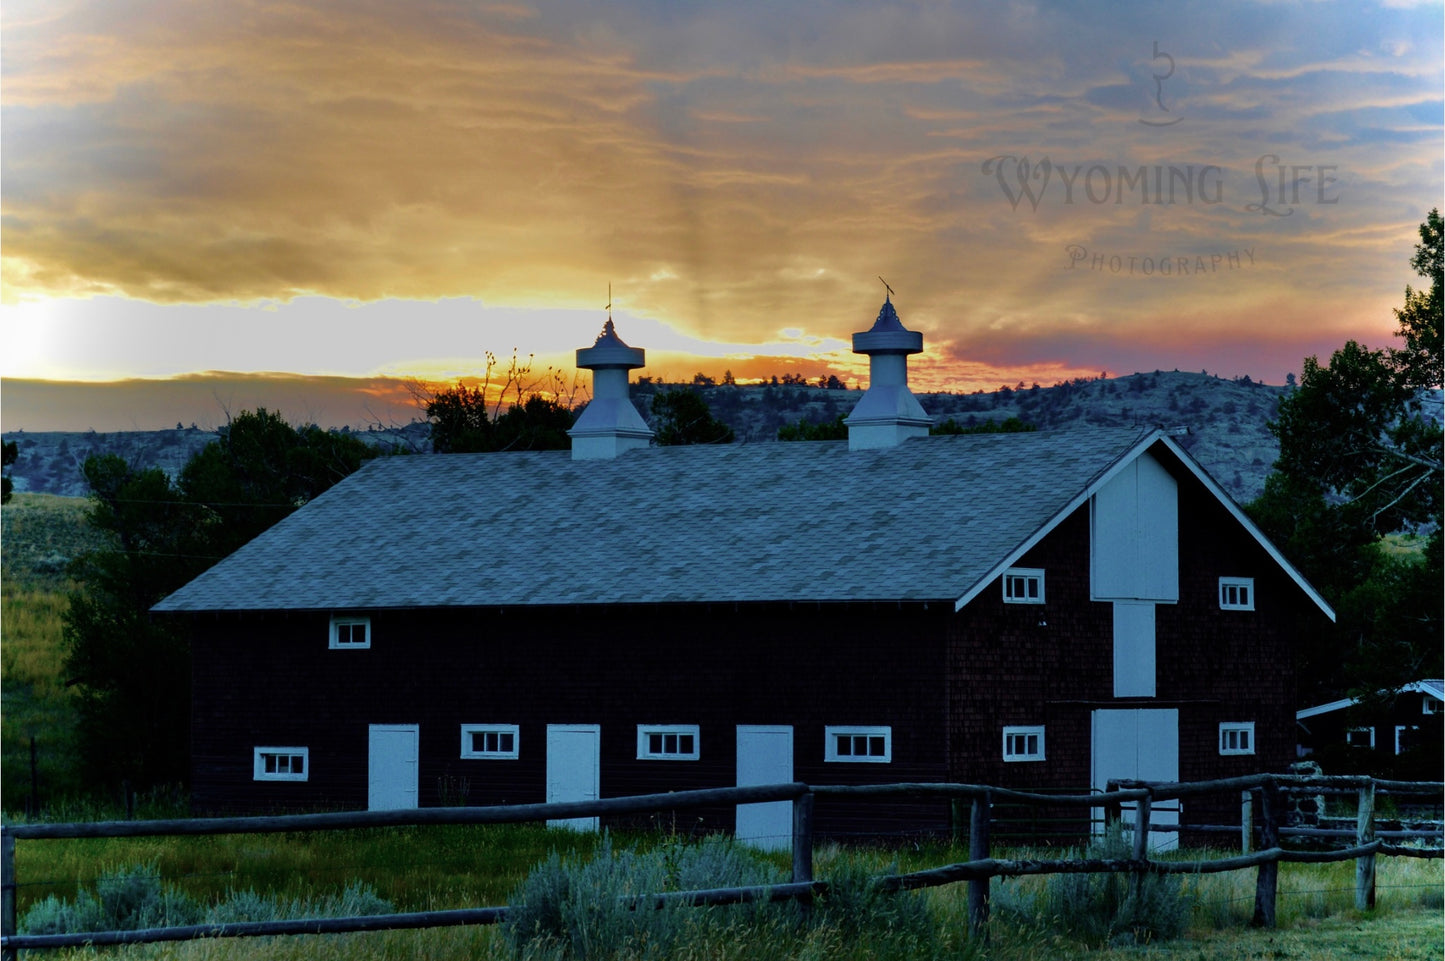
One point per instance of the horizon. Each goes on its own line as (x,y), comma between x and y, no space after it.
(374,193)
(375,403)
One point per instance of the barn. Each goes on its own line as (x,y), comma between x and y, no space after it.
(1037,610)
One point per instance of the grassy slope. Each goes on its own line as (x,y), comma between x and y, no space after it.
(40,535)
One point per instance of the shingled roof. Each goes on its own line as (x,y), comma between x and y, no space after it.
(934,518)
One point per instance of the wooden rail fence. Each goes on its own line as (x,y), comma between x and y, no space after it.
(1263,791)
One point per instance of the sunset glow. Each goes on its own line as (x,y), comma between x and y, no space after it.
(361,189)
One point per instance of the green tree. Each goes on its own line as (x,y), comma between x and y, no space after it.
(1420,361)
(681,416)
(833,429)
(1360,459)
(538,424)
(11,453)
(259,469)
(462,422)
(1009,425)
(132,670)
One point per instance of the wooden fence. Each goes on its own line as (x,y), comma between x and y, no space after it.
(1137,799)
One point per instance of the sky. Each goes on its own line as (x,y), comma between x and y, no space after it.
(364,194)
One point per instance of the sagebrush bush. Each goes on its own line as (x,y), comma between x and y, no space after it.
(125,899)
(589,910)
(857,907)
(132,898)
(1104,908)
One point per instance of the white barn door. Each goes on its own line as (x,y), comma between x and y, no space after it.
(392,762)
(1142,744)
(765,756)
(574,769)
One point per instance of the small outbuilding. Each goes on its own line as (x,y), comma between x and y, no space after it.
(1395,734)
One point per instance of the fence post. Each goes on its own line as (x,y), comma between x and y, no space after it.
(1364,834)
(979,825)
(1143,813)
(1267,884)
(7,890)
(1113,811)
(803,837)
(1246,821)
(34,804)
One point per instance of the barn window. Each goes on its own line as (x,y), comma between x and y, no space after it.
(1023,743)
(350,633)
(858,745)
(667,742)
(1023,585)
(1429,706)
(1360,737)
(1236,593)
(280,764)
(1236,737)
(496,742)
(1406,737)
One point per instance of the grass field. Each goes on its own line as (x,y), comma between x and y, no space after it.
(39,535)
(468,866)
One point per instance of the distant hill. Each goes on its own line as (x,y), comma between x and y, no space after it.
(1225,420)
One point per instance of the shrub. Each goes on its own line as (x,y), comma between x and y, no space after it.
(125,899)
(856,907)
(131,898)
(589,910)
(1105,908)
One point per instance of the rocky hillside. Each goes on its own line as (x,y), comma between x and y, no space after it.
(1226,419)
(1226,422)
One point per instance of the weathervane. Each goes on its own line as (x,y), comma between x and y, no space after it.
(888,296)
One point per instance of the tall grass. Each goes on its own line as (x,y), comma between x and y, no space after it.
(39,535)
(471,866)
(34,700)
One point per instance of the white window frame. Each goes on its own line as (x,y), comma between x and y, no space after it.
(1401,729)
(1016,736)
(832,733)
(1360,730)
(646,732)
(1229,591)
(1428,705)
(469,752)
(258,763)
(348,620)
(1025,576)
(1231,731)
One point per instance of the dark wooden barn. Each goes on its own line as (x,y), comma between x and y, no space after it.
(1036,610)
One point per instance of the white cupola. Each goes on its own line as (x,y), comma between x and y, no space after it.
(610,424)
(888,413)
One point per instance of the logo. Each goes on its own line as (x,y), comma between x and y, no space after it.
(1159,90)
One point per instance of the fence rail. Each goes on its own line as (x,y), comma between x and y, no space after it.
(1267,790)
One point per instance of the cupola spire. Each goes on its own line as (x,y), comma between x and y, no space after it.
(610,424)
(888,413)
